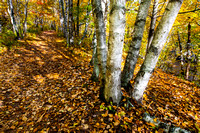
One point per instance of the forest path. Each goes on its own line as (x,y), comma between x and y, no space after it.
(42,83)
(45,86)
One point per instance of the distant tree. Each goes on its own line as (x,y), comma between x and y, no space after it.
(12,17)
(25,17)
(71,23)
(77,18)
(189,54)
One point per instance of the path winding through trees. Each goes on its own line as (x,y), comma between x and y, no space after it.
(45,86)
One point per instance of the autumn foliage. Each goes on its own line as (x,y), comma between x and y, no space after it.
(46,87)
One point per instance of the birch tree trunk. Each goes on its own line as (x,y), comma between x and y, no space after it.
(181,52)
(105,4)
(115,45)
(64,18)
(25,19)
(101,38)
(162,31)
(94,61)
(12,17)
(77,18)
(134,48)
(188,53)
(18,15)
(71,26)
(61,17)
(66,22)
(1,26)
(153,23)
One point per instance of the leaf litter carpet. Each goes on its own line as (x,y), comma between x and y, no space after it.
(46,87)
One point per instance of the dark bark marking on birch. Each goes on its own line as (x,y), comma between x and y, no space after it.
(152,71)
(134,48)
(117,8)
(139,21)
(181,1)
(137,38)
(154,50)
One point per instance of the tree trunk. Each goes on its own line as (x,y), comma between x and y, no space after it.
(66,22)
(71,26)
(133,52)
(64,18)
(115,46)
(143,76)
(101,39)
(188,53)
(77,18)
(86,25)
(153,23)
(105,4)
(94,60)
(61,17)
(18,16)
(12,17)
(25,19)
(181,52)
(0,26)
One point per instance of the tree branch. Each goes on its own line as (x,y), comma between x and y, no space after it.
(189,11)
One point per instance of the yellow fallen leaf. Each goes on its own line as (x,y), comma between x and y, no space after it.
(40,117)
(116,123)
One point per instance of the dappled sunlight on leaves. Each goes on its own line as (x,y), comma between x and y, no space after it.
(46,87)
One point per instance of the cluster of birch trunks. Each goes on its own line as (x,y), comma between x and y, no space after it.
(109,56)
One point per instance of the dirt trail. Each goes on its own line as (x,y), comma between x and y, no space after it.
(39,82)
(46,87)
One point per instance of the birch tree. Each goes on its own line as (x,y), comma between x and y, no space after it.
(162,31)
(115,46)
(12,17)
(134,48)
(188,56)
(94,60)
(101,38)
(153,23)
(71,23)
(77,18)
(66,20)
(25,19)
(61,16)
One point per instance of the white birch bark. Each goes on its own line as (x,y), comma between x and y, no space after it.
(12,17)
(134,48)
(115,45)
(66,20)
(94,61)
(101,38)
(71,26)
(25,19)
(188,56)
(61,17)
(158,42)
(77,18)
(153,23)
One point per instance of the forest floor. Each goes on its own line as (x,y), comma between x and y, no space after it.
(46,87)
